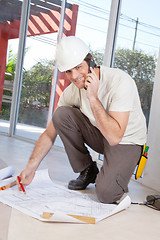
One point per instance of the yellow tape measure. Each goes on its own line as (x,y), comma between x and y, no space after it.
(142,162)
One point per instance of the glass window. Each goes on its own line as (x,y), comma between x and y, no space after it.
(38,68)
(92,25)
(39,58)
(137,45)
(10,13)
(36,85)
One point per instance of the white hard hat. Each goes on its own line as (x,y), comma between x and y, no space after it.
(70,52)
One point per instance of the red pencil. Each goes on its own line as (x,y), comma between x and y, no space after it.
(21,184)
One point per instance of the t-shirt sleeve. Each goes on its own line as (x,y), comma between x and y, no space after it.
(69,97)
(62,101)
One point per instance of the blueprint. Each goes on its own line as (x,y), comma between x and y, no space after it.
(6,172)
(42,195)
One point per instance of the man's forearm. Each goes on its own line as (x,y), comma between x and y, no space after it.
(109,127)
(42,147)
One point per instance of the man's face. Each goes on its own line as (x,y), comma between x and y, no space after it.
(78,74)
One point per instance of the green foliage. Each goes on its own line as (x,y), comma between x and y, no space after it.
(98,57)
(5,111)
(137,64)
(36,85)
(10,70)
(11,65)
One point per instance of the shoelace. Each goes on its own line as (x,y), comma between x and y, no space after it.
(84,173)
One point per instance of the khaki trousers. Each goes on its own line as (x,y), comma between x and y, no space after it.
(75,131)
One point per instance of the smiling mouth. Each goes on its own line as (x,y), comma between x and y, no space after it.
(79,80)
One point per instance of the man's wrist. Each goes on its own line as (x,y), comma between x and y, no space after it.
(32,165)
(93,100)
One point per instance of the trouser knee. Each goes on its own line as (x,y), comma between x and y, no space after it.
(59,116)
(112,192)
(107,196)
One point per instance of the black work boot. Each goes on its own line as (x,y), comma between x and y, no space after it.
(86,177)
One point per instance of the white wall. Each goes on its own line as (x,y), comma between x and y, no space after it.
(151,176)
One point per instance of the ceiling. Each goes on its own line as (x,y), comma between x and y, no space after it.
(11,9)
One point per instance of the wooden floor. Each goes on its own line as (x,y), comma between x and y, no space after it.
(137,222)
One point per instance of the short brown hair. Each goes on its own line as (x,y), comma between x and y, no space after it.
(88,58)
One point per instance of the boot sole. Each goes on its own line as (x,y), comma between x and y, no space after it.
(78,188)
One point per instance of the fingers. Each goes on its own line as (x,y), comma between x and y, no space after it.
(19,186)
(22,187)
(21,179)
(19,183)
(26,177)
(89,80)
(92,72)
(91,76)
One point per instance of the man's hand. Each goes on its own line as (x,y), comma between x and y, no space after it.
(26,177)
(92,85)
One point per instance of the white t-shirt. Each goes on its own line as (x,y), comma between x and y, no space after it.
(117,92)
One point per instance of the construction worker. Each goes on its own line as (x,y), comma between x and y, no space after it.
(100,109)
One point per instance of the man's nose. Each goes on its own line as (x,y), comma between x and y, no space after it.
(74,74)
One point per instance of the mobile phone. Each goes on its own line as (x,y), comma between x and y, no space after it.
(91,64)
